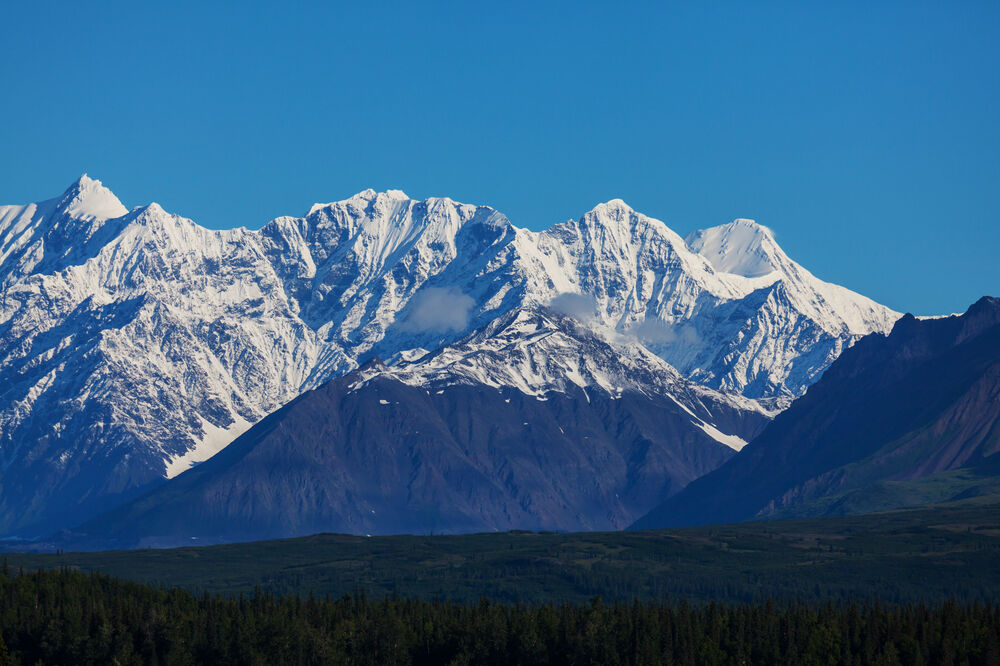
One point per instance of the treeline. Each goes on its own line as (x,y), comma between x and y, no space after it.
(66,617)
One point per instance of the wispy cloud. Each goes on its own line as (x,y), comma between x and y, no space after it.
(585,309)
(438,310)
(654,331)
(582,307)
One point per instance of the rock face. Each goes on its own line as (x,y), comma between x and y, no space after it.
(134,344)
(890,411)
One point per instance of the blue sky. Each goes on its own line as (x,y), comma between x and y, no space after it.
(865,134)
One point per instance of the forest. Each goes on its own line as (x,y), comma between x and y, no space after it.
(69,617)
(931,555)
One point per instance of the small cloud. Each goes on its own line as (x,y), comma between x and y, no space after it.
(654,331)
(581,307)
(651,330)
(438,310)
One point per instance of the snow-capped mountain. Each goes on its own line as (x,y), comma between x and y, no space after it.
(538,352)
(136,343)
(730,309)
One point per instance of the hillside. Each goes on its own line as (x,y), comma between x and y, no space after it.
(893,410)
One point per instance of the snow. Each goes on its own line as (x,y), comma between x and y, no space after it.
(732,441)
(741,247)
(538,353)
(89,199)
(946,316)
(176,327)
(214,440)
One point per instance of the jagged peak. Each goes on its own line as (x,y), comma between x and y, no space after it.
(366,196)
(83,181)
(611,207)
(613,214)
(153,214)
(617,220)
(370,194)
(87,198)
(984,313)
(747,222)
(152,209)
(986,303)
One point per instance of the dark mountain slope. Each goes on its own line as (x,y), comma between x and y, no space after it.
(924,400)
(379,457)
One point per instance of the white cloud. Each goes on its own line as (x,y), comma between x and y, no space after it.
(581,307)
(584,308)
(438,310)
(654,331)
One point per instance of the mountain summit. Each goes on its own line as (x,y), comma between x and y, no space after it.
(136,344)
(49,235)
(741,247)
(88,199)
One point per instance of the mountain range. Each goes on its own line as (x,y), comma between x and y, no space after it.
(137,344)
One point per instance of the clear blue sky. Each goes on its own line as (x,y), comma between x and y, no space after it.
(865,134)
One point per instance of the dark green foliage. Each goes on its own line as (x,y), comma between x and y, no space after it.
(65,617)
(929,555)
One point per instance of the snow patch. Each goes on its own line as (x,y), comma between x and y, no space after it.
(214,440)
(732,441)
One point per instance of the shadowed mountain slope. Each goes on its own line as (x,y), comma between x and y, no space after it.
(891,410)
(457,442)
(391,458)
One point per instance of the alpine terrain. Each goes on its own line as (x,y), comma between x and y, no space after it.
(476,438)
(908,419)
(135,344)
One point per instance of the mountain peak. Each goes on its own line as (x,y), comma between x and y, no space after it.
(88,198)
(981,315)
(747,223)
(370,194)
(366,196)
(84,181)
(742,247)
(148,213)
(986,303)
(612,206)
(612,215)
